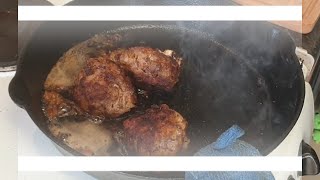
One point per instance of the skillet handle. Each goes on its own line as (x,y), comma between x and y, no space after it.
(310,161)
(18,91)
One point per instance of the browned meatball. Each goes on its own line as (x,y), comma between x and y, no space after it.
(149,66)
(56,106)
(103,89)
(160,131)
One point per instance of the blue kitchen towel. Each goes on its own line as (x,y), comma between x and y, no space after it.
(229,145)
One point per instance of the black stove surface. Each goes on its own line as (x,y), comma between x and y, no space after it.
(8,38)
(6,5)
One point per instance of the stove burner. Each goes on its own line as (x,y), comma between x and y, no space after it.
(8,40)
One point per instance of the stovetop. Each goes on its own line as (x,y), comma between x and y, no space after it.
(20,136)
(32,142)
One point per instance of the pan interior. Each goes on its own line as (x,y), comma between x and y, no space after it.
(217,89)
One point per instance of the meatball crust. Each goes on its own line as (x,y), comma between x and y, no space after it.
(161,131)
(104,89)
(56,106)
(149,66)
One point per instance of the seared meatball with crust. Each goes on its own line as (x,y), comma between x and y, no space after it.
(104,89)
(161,131)
(149,66)
(56,106)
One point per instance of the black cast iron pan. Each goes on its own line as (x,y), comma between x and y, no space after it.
(234,73)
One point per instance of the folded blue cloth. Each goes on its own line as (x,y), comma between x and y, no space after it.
(229,145)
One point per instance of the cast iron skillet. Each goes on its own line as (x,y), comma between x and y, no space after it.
(233,73)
